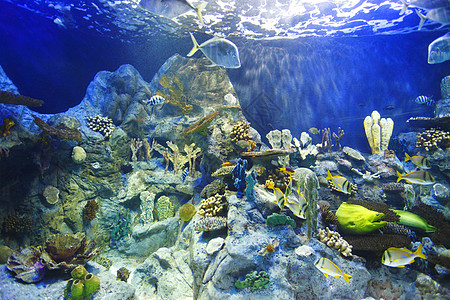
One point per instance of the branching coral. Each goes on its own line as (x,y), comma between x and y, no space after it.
(176,158)
(63,133)
(338,137)
(213,206)
(210,224)
(135,145)
(201,125)
(101,124)
(176,98)
(334,240)
(11,98)
(433,138)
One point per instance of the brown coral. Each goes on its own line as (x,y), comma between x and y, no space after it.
(11,98)
(328,216)
(123,274)
(63,133)
(334,240)
(433,138)
(90,210)
(437,219)
(377,242)
(240,131)
(213,206)
(14,223)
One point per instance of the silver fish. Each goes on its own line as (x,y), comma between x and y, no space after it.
(220,52)
(425,4)
(173,8)
(439,50)
(440,15)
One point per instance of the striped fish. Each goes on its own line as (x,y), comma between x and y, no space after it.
(185,174)
(419,161)
(417,177)
(329,268)
(400,257)
(154,100)
(292,199)
(341,183)
(424,100)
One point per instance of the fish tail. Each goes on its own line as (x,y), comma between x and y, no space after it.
(422,18)
(400,176)
(407,157)
(346,277)
(329,176)
(405,6)
(419,252)
(195,48)
(198,10)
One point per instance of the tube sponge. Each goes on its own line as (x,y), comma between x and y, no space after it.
(378,132)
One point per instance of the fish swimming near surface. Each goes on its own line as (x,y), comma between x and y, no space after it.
(418,177)
(440,15)
(329,268)
(341,183)
(154,100)
(439,50)
(185,174)
(314,130)
(419,161)
(424,100)
(425,4)
(221,52)
(173,8)
(400,257)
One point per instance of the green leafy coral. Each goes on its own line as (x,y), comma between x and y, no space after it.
(176,98)
(277,219)
(254,280)
(164,208)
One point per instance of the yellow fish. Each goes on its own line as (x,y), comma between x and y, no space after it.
(400,257)
(294,200)
(417,177)
(329,268)
(419,161)
(341,183)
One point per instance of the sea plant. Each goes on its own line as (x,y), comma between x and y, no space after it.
(254,280)
(176,98)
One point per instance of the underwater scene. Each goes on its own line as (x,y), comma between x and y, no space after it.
(224,149)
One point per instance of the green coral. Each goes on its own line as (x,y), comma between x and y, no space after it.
(277,219)
(254,280)
(82,285)
(164,209)
(176,98)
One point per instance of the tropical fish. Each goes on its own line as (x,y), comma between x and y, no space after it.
(440,15)
(173,8)
(219,51)
(417,177)
(154,100)
(292,199)
(420,161)
(424,100)
(425,4)
(341,183)
(389,107)
(439,50)
(357,219)
(287,170)
(412,220)
(329,268)
(185,174)
(229,163)
(400,257)
(314,130)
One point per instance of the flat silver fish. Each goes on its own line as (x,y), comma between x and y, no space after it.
(219,51)
(173,8)
(425,4)
(439,50)
(440,15)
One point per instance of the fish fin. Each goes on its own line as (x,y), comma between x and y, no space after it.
(419,252)
(346,277)
(326,275)
(430,229)
(329,176)
(422,18)
(212,65)
(195,48)
(400,176)
(407,157)
(405,6)
(198,10)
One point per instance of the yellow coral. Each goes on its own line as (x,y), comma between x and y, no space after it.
(378,132)
(334,240)
(212,206)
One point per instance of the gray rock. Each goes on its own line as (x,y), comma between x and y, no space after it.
(441,193)
(214,245)
(6,84)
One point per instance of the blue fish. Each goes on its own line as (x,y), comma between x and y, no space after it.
(424,100)
(154,100)
(185,174)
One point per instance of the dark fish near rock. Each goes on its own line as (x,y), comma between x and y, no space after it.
(173,8)
(219,51)
(439,50)
(389,107)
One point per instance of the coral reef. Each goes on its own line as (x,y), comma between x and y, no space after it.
(223,171)
(123,274)
(90,210)
(436,219)
(78,155)
(103,261)
(378,132)
(135,145)
(164,208)
(14,223)
(326,140)
(280,179)
(82,285)
(250,181)
(377,242)
(254,280)
(5,253)
(177,159)
(201,125)
(213,188)
(176,98)
(147,207)
(240,132)
(187,211)
(277,219)
(334,240)
(213,206)
(338,137)
(328,216)
(101,124)
(118,226)
(393,187)
(5,127)
(210,224)
(239,177)
(433,138)
(51,194)
(63,132)
(11,98)
(393,228)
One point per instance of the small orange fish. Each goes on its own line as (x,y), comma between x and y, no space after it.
(140,120)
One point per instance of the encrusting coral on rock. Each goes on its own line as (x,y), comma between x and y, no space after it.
(101,124)
(212,206)
(210,224)
(433,138)
(334,240)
